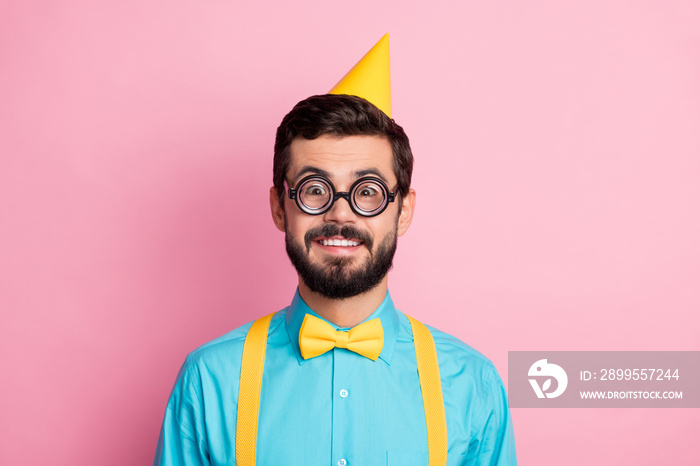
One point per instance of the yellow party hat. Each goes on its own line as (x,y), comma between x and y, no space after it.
(370,77)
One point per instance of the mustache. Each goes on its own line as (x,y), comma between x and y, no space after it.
(347,232)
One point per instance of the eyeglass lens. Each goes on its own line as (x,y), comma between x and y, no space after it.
(369,196)
(315,193)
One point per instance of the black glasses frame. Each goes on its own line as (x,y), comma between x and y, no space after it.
(389,196)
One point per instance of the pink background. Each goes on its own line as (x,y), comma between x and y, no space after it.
(557,167)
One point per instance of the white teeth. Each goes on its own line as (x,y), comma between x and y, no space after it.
(339,242)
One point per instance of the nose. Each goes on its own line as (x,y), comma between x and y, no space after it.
(340,212)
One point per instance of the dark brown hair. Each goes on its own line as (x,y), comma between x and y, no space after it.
(340,115)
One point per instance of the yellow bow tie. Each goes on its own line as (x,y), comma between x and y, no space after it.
(318,336)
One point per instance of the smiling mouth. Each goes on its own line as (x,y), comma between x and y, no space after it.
(338,242)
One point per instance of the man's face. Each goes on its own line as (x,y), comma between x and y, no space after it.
(362,261)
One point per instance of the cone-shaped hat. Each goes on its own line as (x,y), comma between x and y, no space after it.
(370,78)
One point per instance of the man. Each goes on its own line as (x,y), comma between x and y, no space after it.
(321,395)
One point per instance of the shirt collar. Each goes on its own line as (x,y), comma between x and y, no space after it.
(386,312)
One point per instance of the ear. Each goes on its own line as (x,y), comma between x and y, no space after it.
(408,205)
(277,209)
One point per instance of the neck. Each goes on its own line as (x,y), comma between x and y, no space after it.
(346,312)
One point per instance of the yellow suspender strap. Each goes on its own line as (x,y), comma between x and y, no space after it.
(251,381)
(431,388)
(249,392)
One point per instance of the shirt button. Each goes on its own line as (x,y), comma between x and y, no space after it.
(342,462)
(343,394)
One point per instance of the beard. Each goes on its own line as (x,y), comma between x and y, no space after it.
(339,277)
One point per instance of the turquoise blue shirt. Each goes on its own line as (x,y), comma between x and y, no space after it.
(339,408)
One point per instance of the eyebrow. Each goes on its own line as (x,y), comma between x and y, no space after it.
(370,171)
(311,169)
(356,174)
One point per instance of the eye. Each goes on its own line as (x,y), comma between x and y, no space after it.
(368,191)
(316,189)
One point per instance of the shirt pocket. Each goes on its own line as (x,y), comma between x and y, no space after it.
(420,458)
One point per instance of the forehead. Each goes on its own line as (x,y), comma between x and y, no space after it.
(343,158)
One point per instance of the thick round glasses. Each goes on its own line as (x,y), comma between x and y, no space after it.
(315,195)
